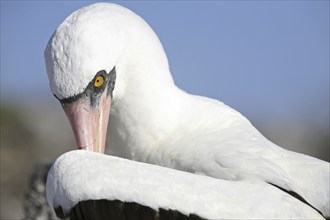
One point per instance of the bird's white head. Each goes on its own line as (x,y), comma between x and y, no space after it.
(95,49)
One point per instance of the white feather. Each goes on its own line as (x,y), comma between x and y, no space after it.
(157,187)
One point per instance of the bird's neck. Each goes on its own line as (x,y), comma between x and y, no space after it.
(142,118)
(148,108)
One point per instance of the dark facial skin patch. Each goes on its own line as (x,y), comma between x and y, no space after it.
(92,92)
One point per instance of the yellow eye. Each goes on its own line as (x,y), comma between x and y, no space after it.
(99,81)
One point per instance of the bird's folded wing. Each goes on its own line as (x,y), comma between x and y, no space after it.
(79,176)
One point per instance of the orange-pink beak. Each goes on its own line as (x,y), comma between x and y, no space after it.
(89,123)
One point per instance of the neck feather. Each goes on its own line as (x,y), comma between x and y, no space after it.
(146,105)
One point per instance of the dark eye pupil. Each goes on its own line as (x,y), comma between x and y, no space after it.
(97,80)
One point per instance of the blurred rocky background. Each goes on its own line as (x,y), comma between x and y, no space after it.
(31,134)
(267,59)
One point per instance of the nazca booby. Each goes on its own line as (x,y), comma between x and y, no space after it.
(105,56)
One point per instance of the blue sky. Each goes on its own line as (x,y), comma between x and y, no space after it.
(268,59)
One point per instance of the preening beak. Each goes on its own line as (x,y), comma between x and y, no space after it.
(89,123)
(88,112)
